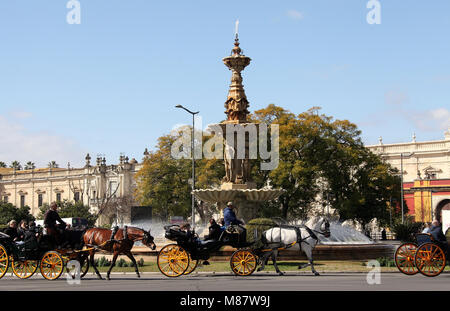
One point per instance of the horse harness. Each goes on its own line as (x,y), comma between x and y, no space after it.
(311,234)
(125,235)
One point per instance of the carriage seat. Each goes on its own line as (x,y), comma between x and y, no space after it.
(423,238)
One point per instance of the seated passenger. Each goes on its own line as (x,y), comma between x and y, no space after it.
(222,224)
(21,230)
(438,235)
(12,230)
(214,230)
(426,227)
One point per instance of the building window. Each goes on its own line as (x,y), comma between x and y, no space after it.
(40,200)
(22,201)
(5,199)
(76,196)
(58,197)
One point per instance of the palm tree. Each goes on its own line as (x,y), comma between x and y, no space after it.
(16,165)
(30,166)
(53,164)
(2,164)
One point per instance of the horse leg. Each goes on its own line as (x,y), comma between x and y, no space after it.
(113,264)
(264,259)
(308,252)
(91,258)
(274,260)
(130,255)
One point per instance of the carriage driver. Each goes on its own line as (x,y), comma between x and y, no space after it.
(50,219)
(230,219)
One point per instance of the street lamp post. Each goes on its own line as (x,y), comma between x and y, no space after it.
(193,162)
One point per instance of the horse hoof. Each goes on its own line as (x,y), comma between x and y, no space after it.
(316,273)
(280,273)
(138,276)
(259,269)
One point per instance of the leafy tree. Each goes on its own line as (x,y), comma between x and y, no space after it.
(163,181)
(3,164)
(319,154)
(30,165)
(52,164)
(16,165)
(9,212)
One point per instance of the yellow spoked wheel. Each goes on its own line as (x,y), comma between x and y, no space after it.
(404,258)
(4,261)
(173,260)
(243,262)
(430,259)
(192,265)
(52,265)
(24,269)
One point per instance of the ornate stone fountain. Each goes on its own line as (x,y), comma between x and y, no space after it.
(237,185)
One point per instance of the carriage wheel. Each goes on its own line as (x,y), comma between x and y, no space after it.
(173,260)
(404,258)
(192,265)
(430,259)
(243,262)
(52,265)
(4,261)
(24,269)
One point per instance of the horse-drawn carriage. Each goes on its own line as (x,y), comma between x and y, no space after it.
(27,256)
(182,257)
(426,256)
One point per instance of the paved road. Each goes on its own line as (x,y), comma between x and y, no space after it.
(227,282)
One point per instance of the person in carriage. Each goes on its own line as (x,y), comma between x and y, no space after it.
(21,230)
(215,230)
(50,219)
(438,235)
(11,230)
(232,223)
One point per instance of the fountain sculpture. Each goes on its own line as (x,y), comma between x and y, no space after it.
(237,185)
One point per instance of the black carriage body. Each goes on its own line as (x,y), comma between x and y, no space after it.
(29,250)
(201,250)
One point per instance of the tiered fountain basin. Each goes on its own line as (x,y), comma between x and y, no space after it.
(225,195)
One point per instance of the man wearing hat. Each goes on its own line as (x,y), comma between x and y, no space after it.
(50,219)
(229,215)
(231,220)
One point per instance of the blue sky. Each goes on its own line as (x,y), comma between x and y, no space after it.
(110,84)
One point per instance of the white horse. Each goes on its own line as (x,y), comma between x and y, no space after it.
(286,236)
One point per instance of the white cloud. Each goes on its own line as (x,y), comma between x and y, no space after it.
(20,114)
(398,103)
(432,120)
(294,14)
(16,143)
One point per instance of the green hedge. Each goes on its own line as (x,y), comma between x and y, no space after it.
(406,232)
(258,226)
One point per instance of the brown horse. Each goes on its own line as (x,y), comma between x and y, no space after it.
(121,244)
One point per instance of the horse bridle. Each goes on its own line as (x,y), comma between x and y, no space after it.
(325,233)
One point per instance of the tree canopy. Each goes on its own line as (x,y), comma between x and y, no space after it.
(163,182)
(325,158)
(9,212)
